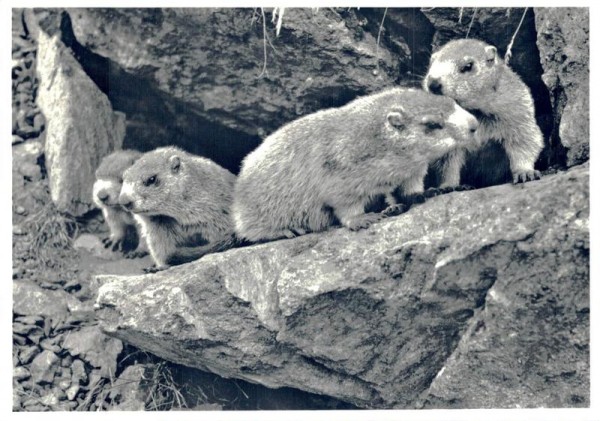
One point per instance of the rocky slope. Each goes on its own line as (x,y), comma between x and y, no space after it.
(473,299)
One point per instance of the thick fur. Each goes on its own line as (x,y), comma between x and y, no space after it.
(185,209)
(500,100)
(328,165)
(107,187)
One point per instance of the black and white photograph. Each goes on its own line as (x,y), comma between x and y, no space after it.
(258,209)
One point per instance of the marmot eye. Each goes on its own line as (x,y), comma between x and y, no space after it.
(467,67)
(433,125)
(150,180)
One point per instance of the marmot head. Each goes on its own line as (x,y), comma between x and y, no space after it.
(423,126)
(109,177)
(156,183)
(466,70)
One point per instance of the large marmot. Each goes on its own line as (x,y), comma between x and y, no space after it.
(330,164)
(470,72)
(182,203)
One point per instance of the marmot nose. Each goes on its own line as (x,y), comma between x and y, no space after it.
(102,195)
(473,125)
(127,205)
(126,202)
(435,86)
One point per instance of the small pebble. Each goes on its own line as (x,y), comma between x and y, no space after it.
(50,399)
(19,340)
(30,320)
(64,384)
(17,139)
(72,392)
(49,346)
(18,230)
(24,330)
(79,374)
(20,210)
(27,354)
(21,373)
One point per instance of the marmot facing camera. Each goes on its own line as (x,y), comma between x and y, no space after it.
(510,141)
(181,201)
(124,234)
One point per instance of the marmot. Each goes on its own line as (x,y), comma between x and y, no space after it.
(330,164)
(182,203)
(470,72)
(124,235)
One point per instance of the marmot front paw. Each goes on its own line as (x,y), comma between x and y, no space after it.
(525,176)
(363,221)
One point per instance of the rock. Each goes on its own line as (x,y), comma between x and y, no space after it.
(20,340)
(51,399)
(65,384)
(18,230)
(21,373)
(128,389)
(26,354)
(43,367)
(81,125)
(91,244)
(17,139)
(30,320)
(563,41)
(29,299)
(25,159)
(432,308)
(79,373)
(72,392)
(93,346)
(49,345)
(24,330)
(20,210)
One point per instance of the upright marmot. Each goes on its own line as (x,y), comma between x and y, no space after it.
(107,187)
(470,72)
(182,203)
(330,164)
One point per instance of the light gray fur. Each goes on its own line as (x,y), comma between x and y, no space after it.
(189,205)
(495,90)
(109,180)
(339,159)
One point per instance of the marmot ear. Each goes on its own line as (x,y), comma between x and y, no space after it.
(175,163)
(397,118)
(490,55)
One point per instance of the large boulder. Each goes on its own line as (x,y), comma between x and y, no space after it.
(563,41)
(82,127)
(473,299)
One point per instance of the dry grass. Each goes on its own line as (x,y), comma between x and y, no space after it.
(50,231)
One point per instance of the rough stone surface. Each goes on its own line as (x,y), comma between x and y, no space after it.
(43,367)
(82,127)
(128,389)
(93,346)
(30,299)
(477,298)
(563,41)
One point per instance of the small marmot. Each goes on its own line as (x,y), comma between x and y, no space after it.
(330,164)
(124,235)
(510,141)
(182,203)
